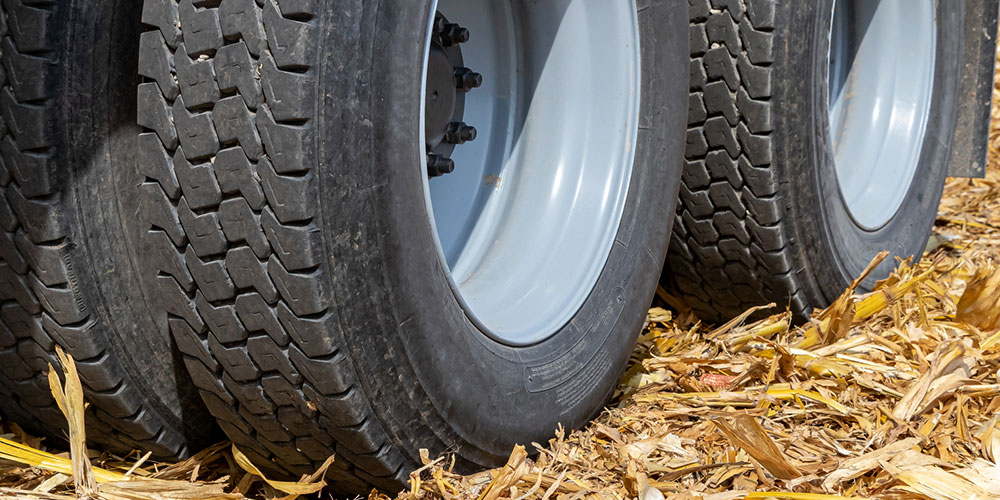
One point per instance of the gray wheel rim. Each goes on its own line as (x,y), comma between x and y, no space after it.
(526,221)
(882,55)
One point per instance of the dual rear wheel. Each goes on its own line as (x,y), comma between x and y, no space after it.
(366,229)
(817,138)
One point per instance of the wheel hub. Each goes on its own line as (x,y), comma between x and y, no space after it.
(448,80)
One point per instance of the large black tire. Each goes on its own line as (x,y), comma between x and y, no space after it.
(307,295)
(67,272)
(760,217)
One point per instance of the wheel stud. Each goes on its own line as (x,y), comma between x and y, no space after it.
(453,34)
(438,165)
(466,79)
(459,133)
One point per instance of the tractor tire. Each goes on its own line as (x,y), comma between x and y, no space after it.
(68,269)
(296,250)
(770,210)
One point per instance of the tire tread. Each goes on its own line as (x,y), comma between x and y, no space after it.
(730,247)
(252,316)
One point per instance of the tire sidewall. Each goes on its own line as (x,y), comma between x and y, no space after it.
(833,247)
(418,355)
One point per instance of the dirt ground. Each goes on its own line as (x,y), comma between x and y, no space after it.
(893,394)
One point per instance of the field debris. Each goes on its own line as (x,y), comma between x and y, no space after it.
(890,394)
(26,472)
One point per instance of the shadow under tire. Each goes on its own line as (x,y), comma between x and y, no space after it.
(762,215)
(304,285)
(67,261)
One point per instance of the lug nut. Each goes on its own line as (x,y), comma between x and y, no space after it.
(453,34)
(459,133)
(439,24)
(438,165)
(466,79)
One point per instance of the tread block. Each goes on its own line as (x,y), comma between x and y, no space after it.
(21,322)
(270,357)
(722,30)
(759,46)
(121,404)
(725,198)
(211,276)
(154,163)
(100,375)
(237,175)
(196,78)
(720,65)
(291,42)
(156,209)
(65,305)
(757,79)
(25,121)
(216,397)
(222,320)
(313,336)
(155,114)
(292,199)
(163,15)
(761,13)
(297,247)
(175,301)
(251,396)
(698,39)
(756,114)
(203,231)
(198,183)
(696,146)
(166,258)
(195,132)
(49,262)
(757,148)
(15,287)
(718,133)
(719,101)
(290,96)
(386,461)
(290,148)
(247,271)
(240,224)
(29,26)
(10,254)
(697,203)
(156,61)
(299,292)
(202,32)
(235,361)
(40,219)
(267,424)
(190,343)
(235,71)
(258,316)
(243,18)
(235,122)
(329,375)
(283,393)
(27,75)
(721,167)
